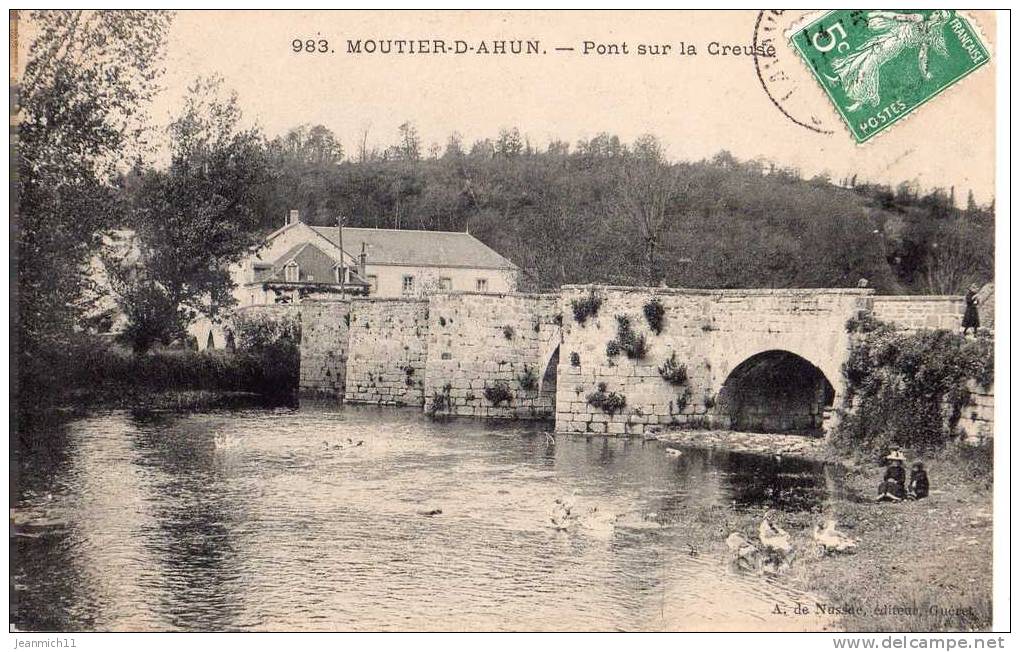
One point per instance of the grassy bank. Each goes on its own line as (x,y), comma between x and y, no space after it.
(931,559)
(920,565)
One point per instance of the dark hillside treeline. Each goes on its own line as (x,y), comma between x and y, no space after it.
(558,213)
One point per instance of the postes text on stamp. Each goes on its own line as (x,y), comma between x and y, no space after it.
(878,66)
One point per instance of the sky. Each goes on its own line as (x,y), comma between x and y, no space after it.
(698,105)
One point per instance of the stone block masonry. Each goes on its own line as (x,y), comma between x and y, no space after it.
(324,346)
(492,355)
(386,351)
(767,360)
(715,335)
(920,311)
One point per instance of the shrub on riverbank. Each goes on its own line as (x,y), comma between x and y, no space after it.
(909,389)
(90,370)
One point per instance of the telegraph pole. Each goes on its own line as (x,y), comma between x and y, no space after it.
(340,237)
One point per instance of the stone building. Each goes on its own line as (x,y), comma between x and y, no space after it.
(299,262)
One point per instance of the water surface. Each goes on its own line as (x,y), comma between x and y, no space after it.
(258,520)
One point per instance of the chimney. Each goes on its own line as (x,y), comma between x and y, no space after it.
(293,216)
(362,258)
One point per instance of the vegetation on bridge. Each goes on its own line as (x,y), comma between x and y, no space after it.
(908,388)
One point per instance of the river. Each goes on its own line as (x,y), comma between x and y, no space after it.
(270,519)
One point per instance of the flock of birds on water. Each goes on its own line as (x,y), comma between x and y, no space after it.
(771,553)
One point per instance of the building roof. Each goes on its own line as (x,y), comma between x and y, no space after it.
(314,266)
(417,248)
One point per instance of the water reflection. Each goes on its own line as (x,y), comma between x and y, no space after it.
(276,520)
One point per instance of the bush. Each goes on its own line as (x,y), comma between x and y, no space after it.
(865,322)
(608,402)
(586,307)
(909,389)
(440,401)
(612,349)
(270,346)
(527,379)
(673,372)
(508,332)
(498,393)
(628,341)
(655,314)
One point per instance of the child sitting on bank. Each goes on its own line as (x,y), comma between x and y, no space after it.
(918,487)
(893,487)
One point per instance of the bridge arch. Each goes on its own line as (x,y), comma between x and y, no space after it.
(776,390)
(549,365)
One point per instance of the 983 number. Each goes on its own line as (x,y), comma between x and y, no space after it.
(310,46)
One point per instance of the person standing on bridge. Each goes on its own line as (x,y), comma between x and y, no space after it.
(970,313)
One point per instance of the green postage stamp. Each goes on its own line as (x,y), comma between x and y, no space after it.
(878,66)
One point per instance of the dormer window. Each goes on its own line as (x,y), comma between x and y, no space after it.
(291,272)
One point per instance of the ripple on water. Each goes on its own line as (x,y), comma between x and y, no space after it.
(274,520)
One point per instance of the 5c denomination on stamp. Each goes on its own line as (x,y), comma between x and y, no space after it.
(878,66)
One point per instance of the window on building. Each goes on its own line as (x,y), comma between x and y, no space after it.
(373,284)
(482,285)
(291,273)
(338,272)
(445,283)
(407,286)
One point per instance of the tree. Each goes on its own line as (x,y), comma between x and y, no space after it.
(80,114)
(647,192)
(194,219)
(410,143)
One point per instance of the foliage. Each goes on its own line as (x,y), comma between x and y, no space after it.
(651,193)
(498,393)
(508,332)
(612,349)
(441,401)
(95,367)
(80,113)
(633,344)
(682,399)
(527,379)
(193,219)
(655,313)
(255,331)
(909,389)
(608,402)
(586,308)
(673,372)
(865,322)
(272,346)
(575,359)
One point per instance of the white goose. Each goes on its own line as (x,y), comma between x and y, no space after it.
(772,536)
(831,539)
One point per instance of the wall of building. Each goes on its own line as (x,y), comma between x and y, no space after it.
(324,346)
(390,278)
(386,351)
(710,332)
(913,312)
(481,341)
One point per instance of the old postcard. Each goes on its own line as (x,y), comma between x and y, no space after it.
(516,321)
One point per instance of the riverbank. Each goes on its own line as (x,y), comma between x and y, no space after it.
(920,565)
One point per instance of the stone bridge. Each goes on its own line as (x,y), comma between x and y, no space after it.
(767,360)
